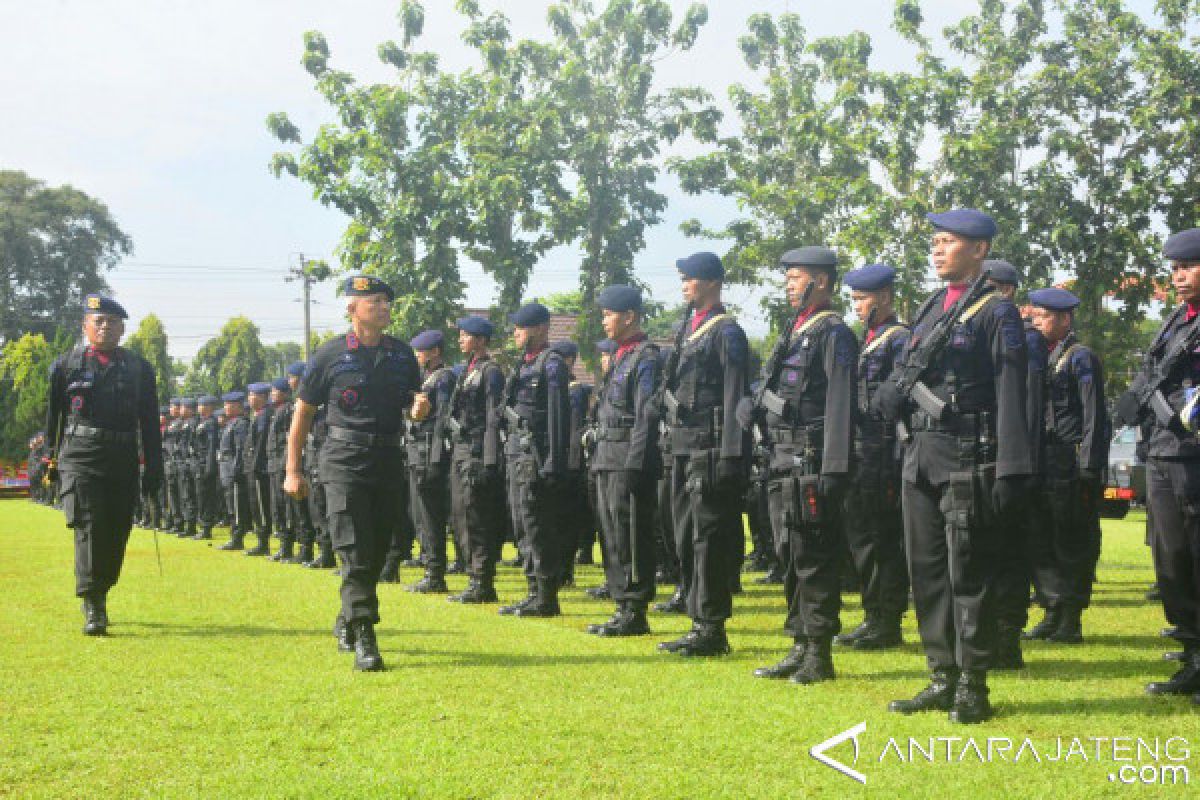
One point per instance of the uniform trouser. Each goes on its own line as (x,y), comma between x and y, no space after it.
(174,500)
(1022,528)
(581,522)
(587,541)
(808,542)
(628,539)
(875,536)
(281,512)
(1065,555)
(259,487)
(404,530)
(709,541)
(1174,498)
(476,507)
(361,518)
(317,511)
(542,506)
(429,493)
(665,523)
(952,568)
(100,509)
(237,504)
(208,498)
(512,496)
(758,518)
(187,493)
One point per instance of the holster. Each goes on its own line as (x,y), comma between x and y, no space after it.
(701,471)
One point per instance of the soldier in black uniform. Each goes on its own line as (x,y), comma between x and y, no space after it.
(365,379)
(606,348)
(317,509)
(300,521)
(807,408)
(582,522)
(231,467)
(183,466)
(966,464)
(162,512)
(476,483)
(873,527)
(1164,394)
(102,398)
(1077,436)
(170,438)
(282,511)
(626,463)
(710,453)
(429,458)
(537,417)
(258,479)
(205,439)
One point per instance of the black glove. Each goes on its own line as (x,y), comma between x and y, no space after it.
(888,400)
(745,413)
(731,475)
(1006,492)
(831,487)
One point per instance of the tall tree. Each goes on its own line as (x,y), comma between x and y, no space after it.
(150,342)
(232,359)
(25,382)
(55,243)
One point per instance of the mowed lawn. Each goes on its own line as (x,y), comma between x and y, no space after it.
(221,679)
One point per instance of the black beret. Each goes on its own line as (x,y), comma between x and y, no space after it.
(261,387)
(208,400)
(870,277)
(1183,246)
(187,402)
(811,256)
(297,368)
(620,298)
(565,348)
(1054,299)
(965,222)
(99,304)
(233,397)
(175,401)
(476,326)
(1001,271)
(281,385)
(427,340)
(705,266)
(366,285)
(529,315)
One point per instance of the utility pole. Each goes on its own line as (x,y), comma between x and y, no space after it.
(302,274)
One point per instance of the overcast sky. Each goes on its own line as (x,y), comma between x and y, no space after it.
(156,107)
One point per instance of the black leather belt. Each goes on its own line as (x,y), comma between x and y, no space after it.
(956,424)
(102,434)
(801,437)
(366,439)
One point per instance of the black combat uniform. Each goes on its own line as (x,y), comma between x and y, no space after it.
(258,478)
(583,520)
(429,476)
(317,509)
(231,459)
(184,473)
(170,446)
(205,441)
(284,510)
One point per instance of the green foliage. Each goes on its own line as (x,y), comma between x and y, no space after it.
(279,356)
(24,387)
(231,360)
(150,342)
(54,245)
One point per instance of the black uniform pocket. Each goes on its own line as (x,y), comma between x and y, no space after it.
(958,506)
(337,509)
(74,502)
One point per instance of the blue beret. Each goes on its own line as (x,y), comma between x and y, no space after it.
(1054,299)
(296,368)
(1001,271)
(870,277)
(187,402)
(476,326)
(281,385)
(258,388)
(606,346)
(233,397)
(965,222)
(1183,246)
(620,298)
(99,304)
(811,256)
(706,266)
(565,348)
(175,401)
(365,285)
(529,315)
(208,400)
(427,340)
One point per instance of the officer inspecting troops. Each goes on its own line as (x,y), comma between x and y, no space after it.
(960,387)
(102,398)
(1164,393)
(205,441)
(704,382)
(429,458)
(365,380)
(231,457)
(806,406)
(626,462)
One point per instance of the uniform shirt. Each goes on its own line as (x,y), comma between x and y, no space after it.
(426,438)
(475,406)
(581,403)
(626,415)
(231,451)
(115,396)
(277,436)
(537,392)
(256,445)
(880,351)
(205,440)
(1172,441)
(1074,413)
(711,376)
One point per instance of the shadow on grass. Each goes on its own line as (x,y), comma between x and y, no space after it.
(166,629)
(1135,702)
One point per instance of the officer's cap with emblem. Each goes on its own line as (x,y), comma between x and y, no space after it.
(810,256)
(296,369)
(1183,246)
(208,400)
(606,346)
(530,315)
(966,222)
(870,278)
(427,340)
(187,402)
(1053,299)
(258,388)
(281,385)
(620,298)
(233,397)
(1001,271)
(99,304)
(705,266)
(476,326)
(565,348)
(366,285)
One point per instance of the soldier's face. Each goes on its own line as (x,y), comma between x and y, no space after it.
(617,324)
(1054,325)
(956,258)
(1185,277)
(427,357)
(187,412)
(278,397)
(205,411)
(699,291)
(103,331)
(174,412)
(796,281)
(293,381)
(1006,290)
(233,410)
(372,311)
(257,401)
(531,337)
(865,302)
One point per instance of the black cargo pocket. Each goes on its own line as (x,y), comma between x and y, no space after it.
(957,507)
(74,502)
(337,510)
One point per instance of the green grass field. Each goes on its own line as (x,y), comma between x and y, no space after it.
(221,679)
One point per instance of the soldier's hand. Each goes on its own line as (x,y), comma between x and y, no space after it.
(295,485)
(421,407)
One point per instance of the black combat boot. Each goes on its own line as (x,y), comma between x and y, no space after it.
(189,532)
(546,602)
(937,696)
(324,559)
(584,556)
(598,593)
(1185,681)
(285,552)
(774,575)
(788,666)
(433,583)
(1070,627)
(864,627)
(366,650)
(263,548)
(479,591)
(205,533)
(630,622)
(612,621)
(303,555)
(883,634)
(344,635)
(1047,626)
(1007,653)
(529,598)
(971,698)
(457,568)
(391,571)
(676,605)
(818,661)
(234,543)
(412,562)
(95,614)
(675,645)
(710,641)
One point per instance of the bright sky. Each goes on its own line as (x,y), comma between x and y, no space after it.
(157,109)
